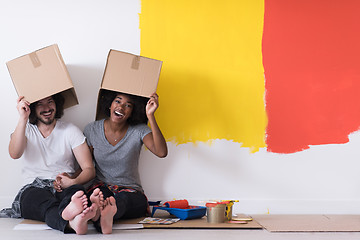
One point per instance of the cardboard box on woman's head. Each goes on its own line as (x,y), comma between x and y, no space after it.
(42,73)
(129,73)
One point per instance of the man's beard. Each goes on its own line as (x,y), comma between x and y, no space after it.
(48,122)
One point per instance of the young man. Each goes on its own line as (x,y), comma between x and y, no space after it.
(51,151)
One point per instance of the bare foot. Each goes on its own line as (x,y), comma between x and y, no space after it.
(97,198)
(80,222)
(76,206)
(107,215)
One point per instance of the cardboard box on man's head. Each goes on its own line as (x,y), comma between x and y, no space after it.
(41,74)
(129,73)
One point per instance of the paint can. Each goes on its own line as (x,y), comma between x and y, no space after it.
(228,209)
(216,212)
(229,206)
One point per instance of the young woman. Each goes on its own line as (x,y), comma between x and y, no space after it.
(116,143)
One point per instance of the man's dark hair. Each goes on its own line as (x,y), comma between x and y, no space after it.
(59,102)
(138,114)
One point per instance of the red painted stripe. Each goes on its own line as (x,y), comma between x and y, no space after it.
(311,52)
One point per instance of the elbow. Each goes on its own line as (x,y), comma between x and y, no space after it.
(160,151)
(14,155)
(92,173)
(163,154)
(15,152)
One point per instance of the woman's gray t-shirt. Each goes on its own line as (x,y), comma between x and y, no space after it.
(117,165)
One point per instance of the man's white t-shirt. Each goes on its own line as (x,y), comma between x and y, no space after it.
(47,157)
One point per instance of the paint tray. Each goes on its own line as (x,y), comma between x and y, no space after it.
(190,212)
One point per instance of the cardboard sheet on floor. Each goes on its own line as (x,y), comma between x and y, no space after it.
(133,224)
(200,223)
(37,225)
(309,223)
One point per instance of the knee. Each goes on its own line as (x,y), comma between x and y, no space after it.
(34,194)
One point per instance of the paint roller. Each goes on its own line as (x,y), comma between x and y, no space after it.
(177,204)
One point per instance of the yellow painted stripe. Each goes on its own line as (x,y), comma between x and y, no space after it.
(212,81)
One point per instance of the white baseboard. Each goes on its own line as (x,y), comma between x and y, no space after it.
(5,202)
(280,206)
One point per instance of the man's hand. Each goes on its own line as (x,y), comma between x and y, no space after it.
(62,181)
(23,108)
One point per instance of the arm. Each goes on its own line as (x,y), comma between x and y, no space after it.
(83,156)
(154,141)
(18,139)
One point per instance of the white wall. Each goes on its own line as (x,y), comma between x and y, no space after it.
(323,179)
(85,32)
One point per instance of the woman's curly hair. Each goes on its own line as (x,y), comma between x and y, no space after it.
(138,114)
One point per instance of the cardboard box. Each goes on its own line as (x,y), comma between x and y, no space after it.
(131,74)
(41,74)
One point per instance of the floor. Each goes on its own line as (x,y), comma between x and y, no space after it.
(7,225)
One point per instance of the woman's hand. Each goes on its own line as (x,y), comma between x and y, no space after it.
(152,104)
(154,141)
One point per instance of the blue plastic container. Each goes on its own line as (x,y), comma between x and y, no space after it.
(191,212)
